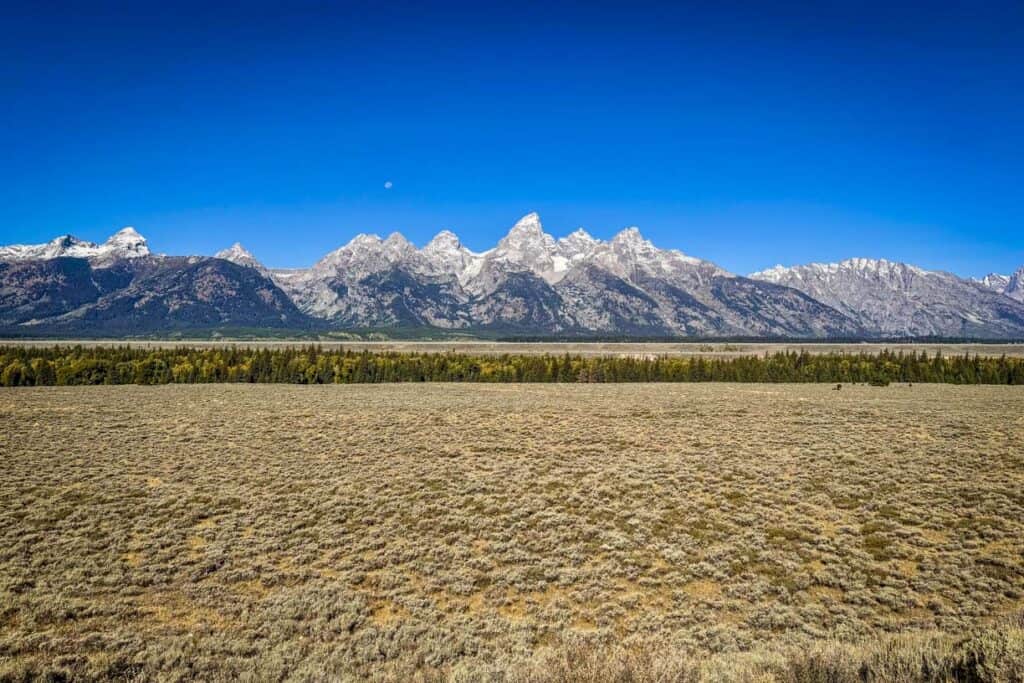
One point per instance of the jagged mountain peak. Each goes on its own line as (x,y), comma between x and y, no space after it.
(445,254)
(528,232)
(446,239)
(398,246)
(636,253)
(127,243)
(397,239)
(241,256)
(1015,285)
(364,238)
(858,266)
(528,247)
(879,265)
(235,251)
(771,274)
(577,244)
(528,225)
(126,233)
(631,236)
(994,281)
(578,235)
(65,241)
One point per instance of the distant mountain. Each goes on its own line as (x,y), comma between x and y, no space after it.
(124,244)
(531,282)
(1010,285)
(528,283)
(897,299)
(119,288)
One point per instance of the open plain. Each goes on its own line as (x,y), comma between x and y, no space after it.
(272,532)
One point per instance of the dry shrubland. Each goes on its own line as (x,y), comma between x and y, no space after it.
(512,532)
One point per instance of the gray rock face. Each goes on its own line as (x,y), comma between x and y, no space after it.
(897,299)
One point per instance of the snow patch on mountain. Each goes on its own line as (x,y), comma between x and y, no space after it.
(241,256)
(124,244)
(994,281)
(1010,285)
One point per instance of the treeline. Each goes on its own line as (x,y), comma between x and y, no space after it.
(77,365)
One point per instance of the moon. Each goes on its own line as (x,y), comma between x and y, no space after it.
(388,184)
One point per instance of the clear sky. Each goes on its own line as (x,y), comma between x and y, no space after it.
(746,135)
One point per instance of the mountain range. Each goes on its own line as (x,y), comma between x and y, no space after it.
(529,283)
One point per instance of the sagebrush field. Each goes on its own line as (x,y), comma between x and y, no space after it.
(507,532)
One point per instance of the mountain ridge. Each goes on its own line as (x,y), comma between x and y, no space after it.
(894,298)
(528,283)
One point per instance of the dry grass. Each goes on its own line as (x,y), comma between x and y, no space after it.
(270,531)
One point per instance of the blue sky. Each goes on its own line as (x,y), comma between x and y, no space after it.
(748,135)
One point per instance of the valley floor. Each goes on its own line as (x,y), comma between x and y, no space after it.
(275,532)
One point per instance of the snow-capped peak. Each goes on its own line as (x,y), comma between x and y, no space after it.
(994,281)
(125,243)
(363,255)
(528,225)
(235,251)
(630,235)
(630,240)
(527,246)
(577,244)
(880,266)
(241,256)
(128,242)
(527,235)
(396,241)
(444,240)
(62,245)
(772,274)
(1010,285)
(445,254)
(363,239)
(126,234)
